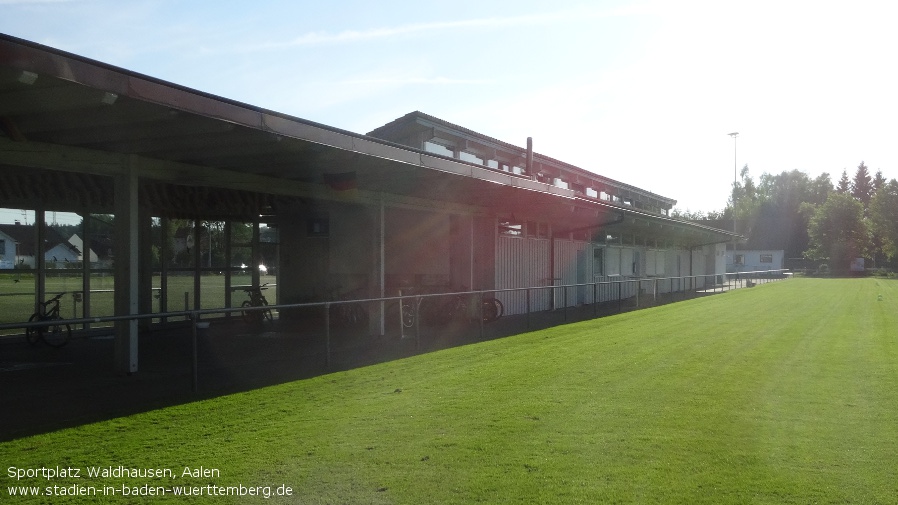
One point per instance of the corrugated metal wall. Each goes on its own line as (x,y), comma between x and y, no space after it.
(520,263)
(524,262)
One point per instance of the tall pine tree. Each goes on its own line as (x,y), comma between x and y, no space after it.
(844,185)
(878,181)
(862,186)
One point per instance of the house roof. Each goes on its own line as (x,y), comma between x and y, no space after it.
(24,235)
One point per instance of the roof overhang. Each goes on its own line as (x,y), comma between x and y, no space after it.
(64,112)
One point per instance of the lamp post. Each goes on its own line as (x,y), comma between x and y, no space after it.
(734,135)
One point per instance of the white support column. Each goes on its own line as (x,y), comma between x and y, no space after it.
(86,247)
(197,261)
(382,262)
(40,254)
(228,227)
(471,257)
(256,252)
(126,267)
(376,323)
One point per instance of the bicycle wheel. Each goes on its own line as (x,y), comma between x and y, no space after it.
(250,316)
(57,335)
(33,333)
(458,310)
(491,309)
(408,315)
(266,314)
(500,309)
(354,315)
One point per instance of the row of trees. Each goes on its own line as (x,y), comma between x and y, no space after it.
(857,220)
(813,219)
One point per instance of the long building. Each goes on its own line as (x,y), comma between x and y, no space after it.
(417,203)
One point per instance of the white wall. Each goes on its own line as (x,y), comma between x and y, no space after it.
(7,252)
(61,254)
(752,260)
(520,263)
(76,241)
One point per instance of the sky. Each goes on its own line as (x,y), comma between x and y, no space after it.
(643,92)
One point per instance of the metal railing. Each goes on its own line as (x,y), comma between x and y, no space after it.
(710,284)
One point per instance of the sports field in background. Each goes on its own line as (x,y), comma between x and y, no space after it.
(17,293)
(782,393)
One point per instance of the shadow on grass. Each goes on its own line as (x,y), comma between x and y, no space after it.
(46,389)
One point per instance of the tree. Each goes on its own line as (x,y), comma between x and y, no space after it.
(779,224)
(862,186)
(746,195)
(838,232)
(820,189)
(687,215)
(844,186)
(884,218)
(743,202)
(878,181)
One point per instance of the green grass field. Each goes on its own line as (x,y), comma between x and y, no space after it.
(783,393)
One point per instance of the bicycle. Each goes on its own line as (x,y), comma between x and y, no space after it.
(55,334)
(461,307)
(408,312)
(256,299)
(404,311)
(348,314)
(492,309)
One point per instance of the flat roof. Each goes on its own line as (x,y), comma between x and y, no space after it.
(579,175)
(62,111)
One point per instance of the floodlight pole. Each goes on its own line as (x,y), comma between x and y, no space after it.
(735,165)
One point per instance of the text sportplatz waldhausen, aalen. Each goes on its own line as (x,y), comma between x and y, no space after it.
(120,480)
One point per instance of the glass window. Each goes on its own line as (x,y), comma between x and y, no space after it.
(212,245)
(598,261)
(432,147)
(740,259)
(470,158)
(510,227)
(766,258)
(318,227)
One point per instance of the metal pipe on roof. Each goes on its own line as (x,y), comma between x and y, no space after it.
(530,156)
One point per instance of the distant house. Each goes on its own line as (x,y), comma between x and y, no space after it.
(76,241)
(17,246)
(8,256)
(755,260)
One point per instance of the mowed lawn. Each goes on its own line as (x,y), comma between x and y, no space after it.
(782,393)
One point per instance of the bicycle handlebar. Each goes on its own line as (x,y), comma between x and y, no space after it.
(252,289)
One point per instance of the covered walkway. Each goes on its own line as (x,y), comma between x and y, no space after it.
(181,172)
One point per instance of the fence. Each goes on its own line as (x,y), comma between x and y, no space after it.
(613,294)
